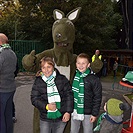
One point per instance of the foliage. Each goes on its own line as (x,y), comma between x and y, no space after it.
(99,23)
(9,11)
(96,27)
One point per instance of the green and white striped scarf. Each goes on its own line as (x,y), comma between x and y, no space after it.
(53,96)
(78,89)
(4,46)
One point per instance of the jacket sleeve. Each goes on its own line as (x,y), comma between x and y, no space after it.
(1,61)
(36,98)
(97,98)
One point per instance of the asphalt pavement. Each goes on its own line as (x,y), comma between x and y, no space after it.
(24,108)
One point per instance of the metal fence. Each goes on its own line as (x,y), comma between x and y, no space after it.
(123,69)
(121,72)
(23,47)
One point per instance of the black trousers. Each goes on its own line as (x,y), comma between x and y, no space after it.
(13,109)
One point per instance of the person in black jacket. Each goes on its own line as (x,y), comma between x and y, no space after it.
(52,95)
(87,90)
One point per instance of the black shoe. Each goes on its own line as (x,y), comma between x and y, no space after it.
(14,119)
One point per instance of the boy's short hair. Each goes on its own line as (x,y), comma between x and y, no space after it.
(84,55)
(49,60)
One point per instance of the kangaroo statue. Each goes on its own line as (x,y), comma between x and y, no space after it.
(63,33)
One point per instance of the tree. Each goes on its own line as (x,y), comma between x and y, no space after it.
(96,27)
(99,23)
(9,11)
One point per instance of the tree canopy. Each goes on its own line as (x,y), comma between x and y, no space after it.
(96,27)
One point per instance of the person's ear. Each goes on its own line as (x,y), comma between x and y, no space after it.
(105,107)
(89,65)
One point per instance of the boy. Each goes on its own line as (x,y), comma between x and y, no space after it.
(87,90)
(52,95)
(113,118)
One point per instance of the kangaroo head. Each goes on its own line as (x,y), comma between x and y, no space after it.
(63,30)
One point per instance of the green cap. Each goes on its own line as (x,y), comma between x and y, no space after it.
(113,107)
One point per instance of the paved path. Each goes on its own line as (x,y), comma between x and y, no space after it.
(24,108)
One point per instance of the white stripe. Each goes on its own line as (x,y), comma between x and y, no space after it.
(52,92)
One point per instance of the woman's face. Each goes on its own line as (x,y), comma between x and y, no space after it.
(47,69)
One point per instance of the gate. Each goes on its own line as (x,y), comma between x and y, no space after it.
(23,47)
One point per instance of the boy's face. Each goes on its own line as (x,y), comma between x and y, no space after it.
(82,64)
(47,69)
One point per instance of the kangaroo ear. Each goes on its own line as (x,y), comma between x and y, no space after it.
(74,14)
(58,14)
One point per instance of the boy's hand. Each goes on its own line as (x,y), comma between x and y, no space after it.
(66,117)
(52,106)
(92,119)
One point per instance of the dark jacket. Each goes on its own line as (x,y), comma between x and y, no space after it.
(92,95)
(39,95)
